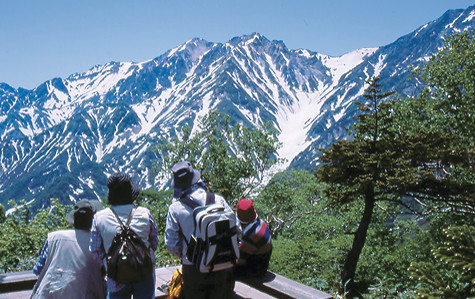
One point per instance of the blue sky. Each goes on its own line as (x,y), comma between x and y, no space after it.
(43,39)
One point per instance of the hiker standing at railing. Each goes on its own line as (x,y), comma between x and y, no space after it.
(122,193)
(65,267)
(180,227)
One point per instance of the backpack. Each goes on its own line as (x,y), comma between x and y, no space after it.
(214,245)
(174,286)
(128,258)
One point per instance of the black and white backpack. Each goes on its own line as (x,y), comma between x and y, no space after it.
(214,244)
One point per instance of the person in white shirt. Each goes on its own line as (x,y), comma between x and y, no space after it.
(179,228)
(121,196)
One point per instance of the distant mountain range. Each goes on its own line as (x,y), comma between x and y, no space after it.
(63,138)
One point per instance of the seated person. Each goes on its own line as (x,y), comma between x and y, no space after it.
(255,247)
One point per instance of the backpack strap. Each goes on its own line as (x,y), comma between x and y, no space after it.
(131,214)
(210,199)
(189,202)
(186,200)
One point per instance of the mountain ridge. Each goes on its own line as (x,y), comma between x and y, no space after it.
(63,138)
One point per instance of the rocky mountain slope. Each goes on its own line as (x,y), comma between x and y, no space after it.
(63,138)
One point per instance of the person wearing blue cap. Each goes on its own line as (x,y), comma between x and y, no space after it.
(179,229)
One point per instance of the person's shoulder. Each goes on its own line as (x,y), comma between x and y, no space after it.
(220,199)
(102,212)
(261,221)
(60,233)
(176,205)
(143,209)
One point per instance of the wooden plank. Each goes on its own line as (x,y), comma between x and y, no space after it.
(282,287)
(17,281)
(16,295)
(243,291)
(18,285)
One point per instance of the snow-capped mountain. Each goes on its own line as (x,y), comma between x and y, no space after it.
(63,138)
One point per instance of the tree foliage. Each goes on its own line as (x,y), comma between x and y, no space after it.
(451,273)
(447,107)
(450,94)
(23,234)
(417,148)
(233,159)
(2,213)
(289,196)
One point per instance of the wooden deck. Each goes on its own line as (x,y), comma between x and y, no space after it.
(18,285)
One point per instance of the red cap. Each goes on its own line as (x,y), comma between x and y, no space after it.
(245,210)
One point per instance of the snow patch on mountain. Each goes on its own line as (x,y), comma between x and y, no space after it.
(379,65)
(342,64)
(99,80)
(420,29)
(451,25)
(470,17)
(294,123)
(147,113)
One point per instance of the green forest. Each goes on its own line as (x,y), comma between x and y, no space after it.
(389,212)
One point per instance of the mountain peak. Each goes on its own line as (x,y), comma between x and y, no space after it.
(193,48)
(63,138)
(253,38)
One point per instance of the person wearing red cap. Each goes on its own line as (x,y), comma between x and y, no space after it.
(255,247)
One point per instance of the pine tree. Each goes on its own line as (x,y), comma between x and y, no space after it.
(390,158)
(454,274)
(358,168)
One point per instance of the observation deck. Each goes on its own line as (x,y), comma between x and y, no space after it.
(18,285)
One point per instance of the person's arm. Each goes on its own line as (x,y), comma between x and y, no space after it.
(153,235)
(96,245)
(173,239)
(38,267)
(222,201)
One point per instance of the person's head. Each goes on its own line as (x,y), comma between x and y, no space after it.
(122,190)
(245,211)
(83,212)
(184,176)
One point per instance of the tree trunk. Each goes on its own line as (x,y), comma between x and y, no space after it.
(349,267)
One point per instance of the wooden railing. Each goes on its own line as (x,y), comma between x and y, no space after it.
(18,285)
